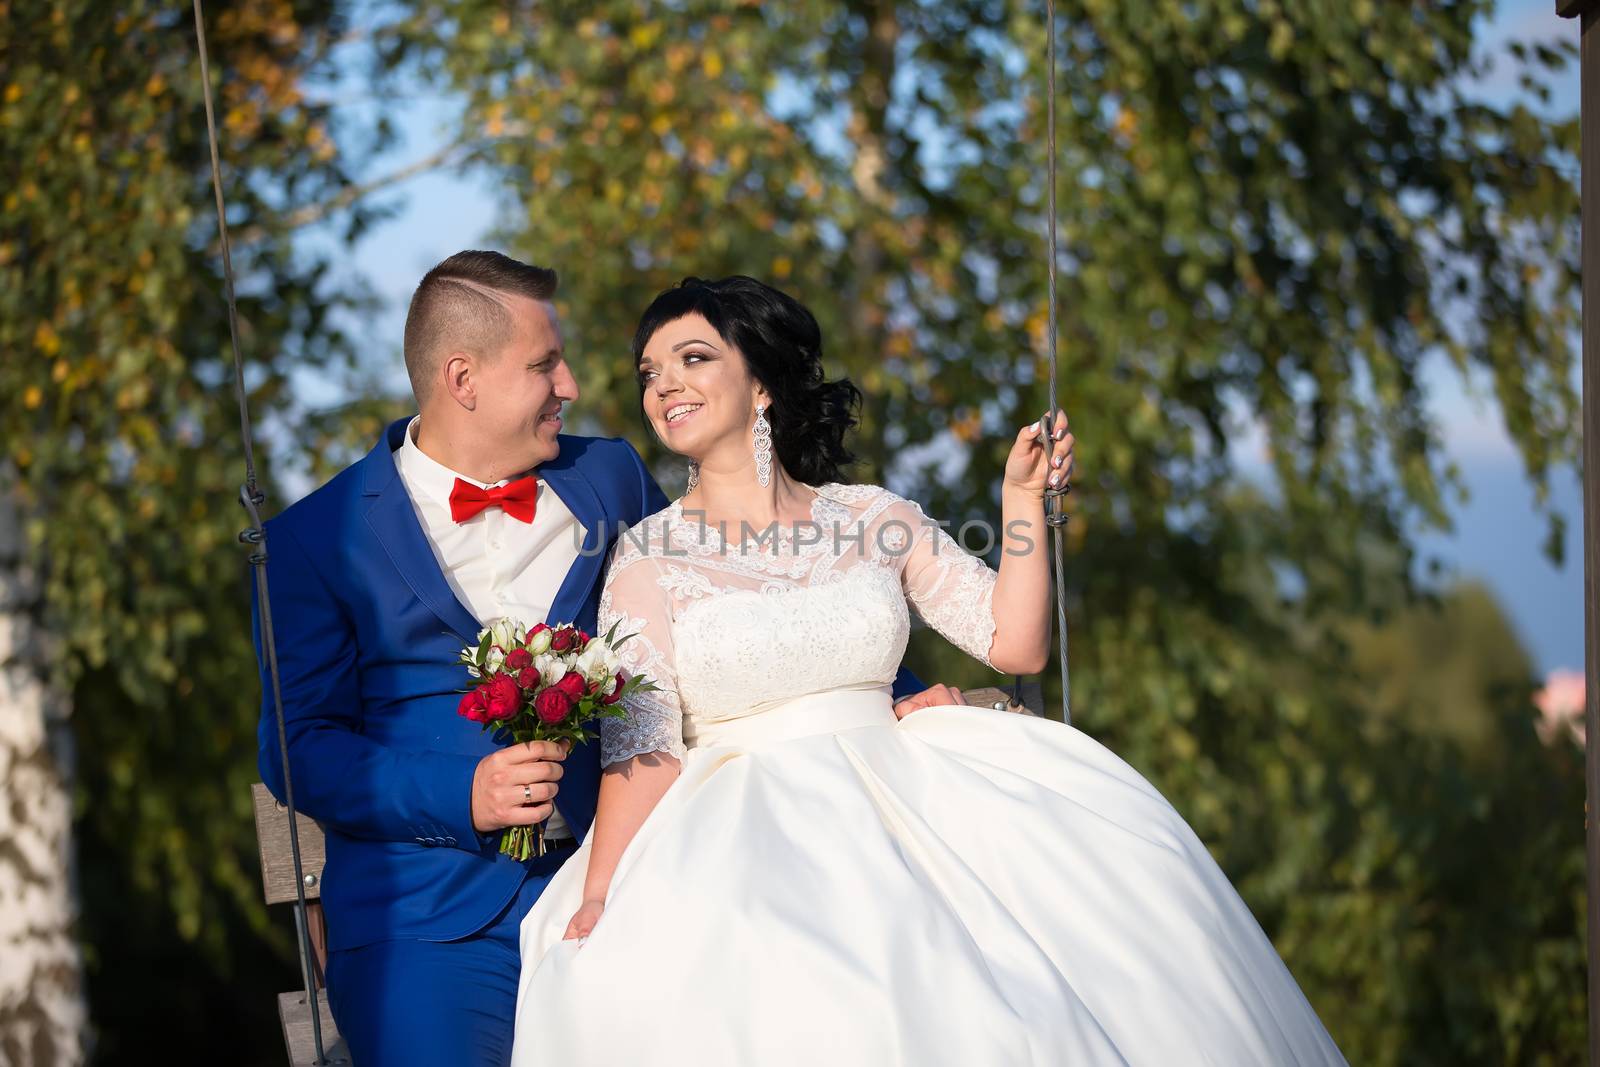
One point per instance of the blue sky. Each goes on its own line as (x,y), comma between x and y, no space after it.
(1497,537)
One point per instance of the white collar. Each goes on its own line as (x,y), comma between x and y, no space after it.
(427,475)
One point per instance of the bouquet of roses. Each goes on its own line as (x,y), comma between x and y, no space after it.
(543,683)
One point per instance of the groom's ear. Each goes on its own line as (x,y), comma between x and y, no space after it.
(459,379)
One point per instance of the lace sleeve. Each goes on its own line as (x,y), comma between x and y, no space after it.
(951,589)
(632,596)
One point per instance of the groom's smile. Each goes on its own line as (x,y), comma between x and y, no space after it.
(521,393)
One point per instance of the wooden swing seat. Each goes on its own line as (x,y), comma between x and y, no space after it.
(277,886)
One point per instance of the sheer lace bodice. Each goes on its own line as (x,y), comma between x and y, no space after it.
(730,626)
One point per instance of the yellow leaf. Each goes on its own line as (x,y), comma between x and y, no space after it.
(32,397)
(711,63)
(46,340)
(782,266)
(1127,124)
(155,86)
(1280,40)
(13,93)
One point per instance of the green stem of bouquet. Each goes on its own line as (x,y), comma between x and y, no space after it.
(523,842)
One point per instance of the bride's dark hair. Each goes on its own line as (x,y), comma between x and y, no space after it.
(782,344)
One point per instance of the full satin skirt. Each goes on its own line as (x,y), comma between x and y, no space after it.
(963,887)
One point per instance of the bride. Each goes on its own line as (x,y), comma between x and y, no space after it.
(780,871)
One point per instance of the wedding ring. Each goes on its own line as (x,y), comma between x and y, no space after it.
(527,794)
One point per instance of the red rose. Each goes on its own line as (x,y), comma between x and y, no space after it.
(616,691)
(501,698)
(572,685)
(471,706)
(561,641)
(527,678)
(518,658)
(582,641)
(536,628)
(552,706)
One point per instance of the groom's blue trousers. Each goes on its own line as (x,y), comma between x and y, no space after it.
(414,1003)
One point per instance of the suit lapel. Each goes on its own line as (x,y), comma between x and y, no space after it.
(578,493)
(394,523)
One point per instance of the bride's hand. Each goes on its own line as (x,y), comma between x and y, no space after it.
(1035,463)
(582,923)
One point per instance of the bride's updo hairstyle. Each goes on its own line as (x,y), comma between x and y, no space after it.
(783,347)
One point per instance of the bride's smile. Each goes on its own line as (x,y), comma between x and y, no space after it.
(698,392)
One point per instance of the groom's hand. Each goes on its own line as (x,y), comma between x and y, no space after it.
(929,698)
(516,786)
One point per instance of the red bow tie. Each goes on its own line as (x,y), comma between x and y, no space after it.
(516,499)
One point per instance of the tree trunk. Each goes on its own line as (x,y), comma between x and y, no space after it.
(43,1019)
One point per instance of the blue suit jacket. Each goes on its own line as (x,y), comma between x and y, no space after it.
(367,632)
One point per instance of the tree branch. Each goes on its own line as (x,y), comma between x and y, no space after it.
(311,213)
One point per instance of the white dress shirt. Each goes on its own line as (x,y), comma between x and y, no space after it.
(497,566)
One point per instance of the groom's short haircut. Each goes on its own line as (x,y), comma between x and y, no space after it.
(456,309)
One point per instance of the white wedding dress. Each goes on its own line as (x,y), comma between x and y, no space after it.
(824,886)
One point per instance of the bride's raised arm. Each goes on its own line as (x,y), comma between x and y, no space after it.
(639,754)
(1003,619)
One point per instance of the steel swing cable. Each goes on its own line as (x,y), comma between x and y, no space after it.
(251,497)
(1055,498)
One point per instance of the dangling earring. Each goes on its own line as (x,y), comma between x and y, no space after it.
(694,477)
(762,433)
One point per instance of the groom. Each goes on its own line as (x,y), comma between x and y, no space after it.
(477,508)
